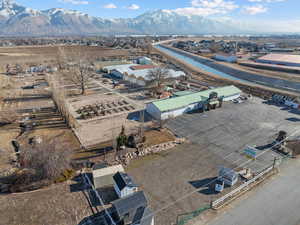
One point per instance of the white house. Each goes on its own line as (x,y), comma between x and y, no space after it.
(124,185)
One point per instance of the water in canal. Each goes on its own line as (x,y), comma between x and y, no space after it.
(237,75)
(195,63)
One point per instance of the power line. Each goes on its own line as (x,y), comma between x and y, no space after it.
(242,164)
(100,199)
(190,193)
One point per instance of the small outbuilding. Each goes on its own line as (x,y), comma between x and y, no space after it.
(103,176)
(229,176)
(124,184)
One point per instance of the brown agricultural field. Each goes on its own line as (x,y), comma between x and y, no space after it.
(39,54)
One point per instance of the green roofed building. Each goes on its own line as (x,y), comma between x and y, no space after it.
(182,93)
(187,102)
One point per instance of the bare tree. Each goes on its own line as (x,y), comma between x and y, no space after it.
(61,58)
(48,161)
(79,68)
(80,75)
(59,94)
(158,76)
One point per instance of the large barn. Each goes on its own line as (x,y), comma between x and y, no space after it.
(176,106)
(280,59)
(137,74)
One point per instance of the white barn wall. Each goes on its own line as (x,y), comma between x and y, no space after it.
(154,111)
(232,97)
(178,112)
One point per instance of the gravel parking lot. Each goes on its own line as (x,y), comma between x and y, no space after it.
(175,182)
(229,130)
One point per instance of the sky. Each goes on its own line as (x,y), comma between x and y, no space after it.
(246,10)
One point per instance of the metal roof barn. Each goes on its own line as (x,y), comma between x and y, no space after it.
(181,101)
(172,107)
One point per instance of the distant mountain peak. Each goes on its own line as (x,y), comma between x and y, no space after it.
(6,4)
(16,20)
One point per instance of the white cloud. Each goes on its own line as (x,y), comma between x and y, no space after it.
(75,2)
(282,26)
(110,6)
(267,1)
(133,7)
(208,7)
(256,9)
(214,4)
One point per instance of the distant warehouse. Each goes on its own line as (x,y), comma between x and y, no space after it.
(136,73)
(176,106)
(280,59)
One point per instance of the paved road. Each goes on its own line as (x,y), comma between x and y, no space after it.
(275,203)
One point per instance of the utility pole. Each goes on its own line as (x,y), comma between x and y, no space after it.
(274,162)
(142,121)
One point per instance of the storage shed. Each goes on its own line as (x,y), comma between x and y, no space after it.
(103,177)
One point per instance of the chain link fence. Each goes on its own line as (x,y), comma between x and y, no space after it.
(184,218)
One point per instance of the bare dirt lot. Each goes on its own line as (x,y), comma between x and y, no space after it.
(53,205)
(38,54)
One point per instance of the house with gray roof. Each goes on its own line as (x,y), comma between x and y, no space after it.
(132,209)
(124,184)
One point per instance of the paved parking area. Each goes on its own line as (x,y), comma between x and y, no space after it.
(229,130)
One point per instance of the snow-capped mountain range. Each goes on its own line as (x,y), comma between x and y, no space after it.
(16,20)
